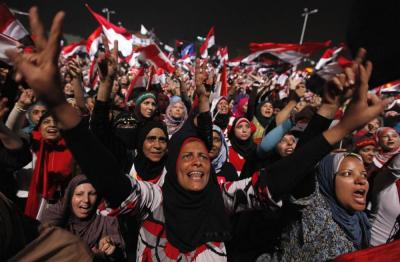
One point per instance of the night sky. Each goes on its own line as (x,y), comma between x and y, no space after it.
(237,23)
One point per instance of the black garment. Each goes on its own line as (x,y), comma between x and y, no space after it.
(146,168)
(264,121)
(11,160)
(102,128)
(228,171)
(222,120)
(191,218)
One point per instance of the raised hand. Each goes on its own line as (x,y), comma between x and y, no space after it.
(26,98)
(106,246)
(40,69)
(108,64)
(200,75)
(75,69)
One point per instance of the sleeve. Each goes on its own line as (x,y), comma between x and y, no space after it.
(247,194)
(15,159)
(388,175)
(204,128)
(98,164)
(272,138)
(282,177)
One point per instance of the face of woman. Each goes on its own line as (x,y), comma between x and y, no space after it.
(286,146)
(49,130)
(373,125)
(83,200)
(267,110)
(177,110)
(389,141)
(243,131)
(193,166)
(223,107)
(367,153)
(147,107)
(351,184)
(68,89)
(245,107)
(216,146)
(155,145)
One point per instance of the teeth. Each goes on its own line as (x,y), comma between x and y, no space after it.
(196,174)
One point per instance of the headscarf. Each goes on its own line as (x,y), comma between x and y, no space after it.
(174,124)
(355,224)
(53,169)
(28,129)
(126,134)
(91,229)
(244,148)
(222,156)
(240,108)
(191,218)
(221,120)
(384,156)
(264,121)
(147,169)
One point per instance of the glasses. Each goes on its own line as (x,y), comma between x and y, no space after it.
(153,139)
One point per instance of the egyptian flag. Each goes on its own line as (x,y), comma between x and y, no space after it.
(74,48)
(208,43)
(113,32)
(9,25)
(289,53)
(93,42)
(6,43)
(331,64)
(388,88)
(156,57)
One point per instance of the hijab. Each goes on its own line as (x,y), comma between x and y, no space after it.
(384,156)
(222,156)
(244,148)
(174,124)
(221,120)
(264,121)
(191,218)
(91,229)
(126,134)
(240,108)
(355,224)
(147,169)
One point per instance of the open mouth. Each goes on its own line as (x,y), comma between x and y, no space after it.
(360,196)
(52,131)
(196,175)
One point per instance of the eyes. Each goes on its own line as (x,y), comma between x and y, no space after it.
(81,193)
(191,156)
(151,103)
(349,173)
(152,139)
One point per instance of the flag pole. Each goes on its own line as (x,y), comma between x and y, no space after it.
(306,13)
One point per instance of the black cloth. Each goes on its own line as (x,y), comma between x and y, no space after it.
(146,168)
(10,161)
(264,121)
(191,218)
(222,120)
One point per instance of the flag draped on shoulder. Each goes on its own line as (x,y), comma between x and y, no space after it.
(289,53)
(113,32)
(9,25)
(208,43)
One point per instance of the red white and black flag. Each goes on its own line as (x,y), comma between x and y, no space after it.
(208,43)
(9,25)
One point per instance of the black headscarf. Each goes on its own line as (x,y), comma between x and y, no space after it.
(221,120)
(146,168)
(264,121)
(244,148)
(126,134)
(192,218)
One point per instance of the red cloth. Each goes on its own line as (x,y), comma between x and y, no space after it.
(386,252)
(53,168)
(236,160)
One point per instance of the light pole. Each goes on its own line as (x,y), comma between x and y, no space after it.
(306,14)
(108,12)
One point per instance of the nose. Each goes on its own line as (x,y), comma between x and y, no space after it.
(85,198)
(361,180)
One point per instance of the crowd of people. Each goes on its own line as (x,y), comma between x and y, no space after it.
(168,168)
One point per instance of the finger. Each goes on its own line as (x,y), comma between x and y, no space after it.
(350,75)
(115,53)
(360,55)
(37,29)
(53,44)
(337,83)
(362,92)
(105,43)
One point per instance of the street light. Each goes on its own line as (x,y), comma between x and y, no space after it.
(108,12)
(306,14)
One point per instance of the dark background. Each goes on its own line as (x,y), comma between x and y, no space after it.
(373,25)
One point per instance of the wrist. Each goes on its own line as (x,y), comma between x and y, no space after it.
(21,107)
